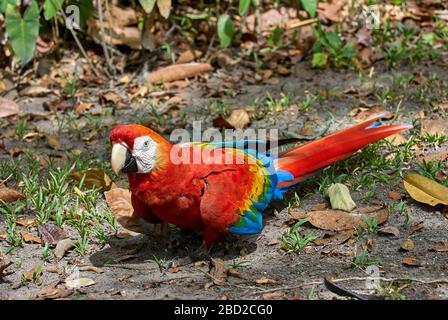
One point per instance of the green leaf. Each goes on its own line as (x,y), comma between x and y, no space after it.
(310,7)
(148,5)
(23,31)
(320,60)
(225,30)
(197,16)
(51,7)
(340,197)
(276,37)
(4,2)
(243,7)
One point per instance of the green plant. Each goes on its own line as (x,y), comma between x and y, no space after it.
(361,259)
(162,263)
(293,240)
(46,251)
(329,46)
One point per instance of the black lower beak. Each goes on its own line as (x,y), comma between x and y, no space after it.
(130,166)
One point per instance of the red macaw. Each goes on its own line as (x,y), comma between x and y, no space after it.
(218,198)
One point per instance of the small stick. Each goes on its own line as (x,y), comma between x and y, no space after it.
(103,41)
(81,48)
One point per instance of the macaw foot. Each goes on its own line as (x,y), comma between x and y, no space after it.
(163,231)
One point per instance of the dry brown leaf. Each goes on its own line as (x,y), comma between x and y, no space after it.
(188,56)
(394,195)
(416,227)
(82,107)
(441,247)
(264,280)
(338,238)
(51,233)
(439,126)
(62,247)
(91,268)
(9,195)
(94,178)
(2,234)
(389,230)
(239,119)
(407,245)
(79,283)
(8,108)
(337,220)
(53,293)
(396,139)
(119,201)
(34,272)
(436,156)
(218,271)
(179,72)
(53,142)
(35,91)
(412,262)
(363,113)
(425,190)
(27,237)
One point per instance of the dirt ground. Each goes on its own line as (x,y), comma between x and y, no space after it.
(260,269)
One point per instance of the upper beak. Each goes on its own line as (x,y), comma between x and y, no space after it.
(122,160)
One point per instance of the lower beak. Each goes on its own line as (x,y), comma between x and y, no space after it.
(122,160)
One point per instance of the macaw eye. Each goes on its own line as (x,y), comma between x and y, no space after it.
(146,145)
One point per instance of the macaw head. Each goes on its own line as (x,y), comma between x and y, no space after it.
(137,149)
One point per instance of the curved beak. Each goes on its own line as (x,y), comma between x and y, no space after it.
(122,160)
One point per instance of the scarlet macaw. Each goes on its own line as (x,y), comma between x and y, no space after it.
(220,198)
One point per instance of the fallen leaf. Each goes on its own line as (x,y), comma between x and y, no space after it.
(179,72)
(62,247)
(363,113)
(338,238)
(32,273)
(8,108)
(389,230)
(340,197)
(238,119)
(416,227)
(79,283)
(174,269)
(9,195)
(94,178)
(396,139)
(273,295)
(51,233)
(407,245)
(337,220)
(394,195)
(438,126)
(112,97)
(91,268)
(425,190)
(119,201)
(82,107)
(436,156)
(412,262)
(30,238)
(35,91)
(441,247)
(2,234)
(53,142)
(164,8)
(188,56)
(264,280)
(218,271)
(53,293)
(273,242)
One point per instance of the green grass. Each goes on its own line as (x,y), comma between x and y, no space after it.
(294,240)
(362,259)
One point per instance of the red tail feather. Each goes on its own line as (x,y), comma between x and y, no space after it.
(307,158)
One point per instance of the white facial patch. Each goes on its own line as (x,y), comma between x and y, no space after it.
(145,151)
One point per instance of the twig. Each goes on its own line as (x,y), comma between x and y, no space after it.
(3,267)
(103,41)
(81,48)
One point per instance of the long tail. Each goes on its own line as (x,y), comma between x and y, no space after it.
(303,160)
